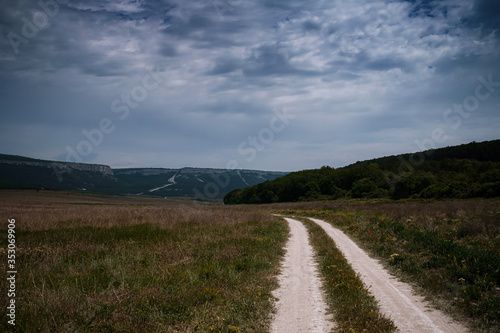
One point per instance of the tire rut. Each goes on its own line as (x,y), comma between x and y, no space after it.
(397,301)
(300,306)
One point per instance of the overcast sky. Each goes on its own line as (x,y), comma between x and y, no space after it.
(263,84)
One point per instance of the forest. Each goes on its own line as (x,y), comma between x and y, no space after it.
(465,171)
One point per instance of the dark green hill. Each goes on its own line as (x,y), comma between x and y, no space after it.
(470,170)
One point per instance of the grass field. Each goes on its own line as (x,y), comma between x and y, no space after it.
(449,249)
(126,264)
(104,264)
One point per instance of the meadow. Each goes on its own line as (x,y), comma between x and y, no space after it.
(116,264)
(90,263)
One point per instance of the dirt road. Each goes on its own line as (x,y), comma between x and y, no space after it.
(300,306)
(409,312)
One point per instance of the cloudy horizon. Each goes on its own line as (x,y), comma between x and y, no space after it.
(268,84)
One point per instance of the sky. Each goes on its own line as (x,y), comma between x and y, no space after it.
(262,84)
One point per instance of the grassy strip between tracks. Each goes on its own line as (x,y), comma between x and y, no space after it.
(354,308)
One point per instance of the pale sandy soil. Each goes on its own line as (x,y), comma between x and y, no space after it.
(409,312)
(300,306)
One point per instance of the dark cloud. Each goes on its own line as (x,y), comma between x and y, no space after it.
(206,75)
(385,64)
(168,50)
(224,65)
(208,32)
(284,4)
(486,16)
(424,8)
(363,61)
(447,66)
(310,25)
(271,60)
(104,67)
(235,107)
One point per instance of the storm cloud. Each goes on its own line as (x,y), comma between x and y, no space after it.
(189,83)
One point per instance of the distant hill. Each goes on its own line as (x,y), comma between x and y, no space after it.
(469,170)
(198,183)
(18,172)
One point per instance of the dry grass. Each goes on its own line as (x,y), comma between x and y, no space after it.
(118,264)
(48,210)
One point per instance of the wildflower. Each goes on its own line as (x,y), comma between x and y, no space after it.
(393,257)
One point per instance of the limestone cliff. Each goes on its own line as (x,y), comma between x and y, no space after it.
(62,167)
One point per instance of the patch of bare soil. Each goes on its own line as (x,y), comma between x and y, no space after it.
(300,306)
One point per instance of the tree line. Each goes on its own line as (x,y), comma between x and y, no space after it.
(465,171)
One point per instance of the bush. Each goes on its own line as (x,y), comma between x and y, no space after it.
(489,190)
(337,193)
(433,191)
(458,190)
(364,188)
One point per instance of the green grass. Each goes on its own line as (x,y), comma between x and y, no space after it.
(354,308)
(453,256)
(146,269)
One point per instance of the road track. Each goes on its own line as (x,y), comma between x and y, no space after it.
(301,306)
(397,301)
